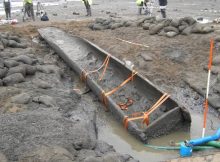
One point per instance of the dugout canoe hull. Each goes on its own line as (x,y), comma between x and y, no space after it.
(81,54)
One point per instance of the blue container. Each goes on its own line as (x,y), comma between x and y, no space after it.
(185,151)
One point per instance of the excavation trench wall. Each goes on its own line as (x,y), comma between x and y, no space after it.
(81,55)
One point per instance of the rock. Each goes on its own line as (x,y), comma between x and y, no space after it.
(18,69)
(208,29)
(162,33)
(166,22)
(3,72)
(218,79)
(182,27)
(116,25)
(175,23)
(201,28)
(146,26)
(84,153)
(132,160)
(215,101)
(24,59)
(103,147)
(170,28)
(99,20)
(216,60)
(4,42)
(98,27)
(47,154)
(47,68)
(141,21)
(151,20)
(216,89)
(15,38)
(196,97)
(90,26)
(22,98)
(14,44)
(10,63)
(146,57)
(92,159)
(154,29)
(189,20)
(30,70)
(46,100)
(13,79)
(1,82)
(107,21)
(1,63)
(112,157)
(3,158)
(171,34)
(126,157)
(187,30)
(1,46)
(217,39)
(42,84)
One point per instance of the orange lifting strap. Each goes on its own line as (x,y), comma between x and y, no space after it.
(145,115)
(104,95)
(84,74)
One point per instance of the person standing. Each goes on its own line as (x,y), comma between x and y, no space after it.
(7,6)
(141,4)
(88,6)
(163,5)
(28,9)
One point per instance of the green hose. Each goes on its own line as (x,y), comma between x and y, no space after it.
(195,148)
(215,144)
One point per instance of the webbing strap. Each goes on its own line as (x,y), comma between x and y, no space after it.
(104,94)
(84,74)
(121,85)
(145,115)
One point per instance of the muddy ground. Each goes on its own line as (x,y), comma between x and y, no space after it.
(176,65)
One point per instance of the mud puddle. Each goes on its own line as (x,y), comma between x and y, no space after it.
(113,132)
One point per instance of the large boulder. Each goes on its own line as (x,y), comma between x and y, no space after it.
(171,34)
(170,28)
(18,69)
(46,100)
(216,60)
(146,26)
(10,63)
(154,29)
(1,63)
(13,79)
(3,72)
(202,29)
(187,30)
(22,98)
(24,59)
